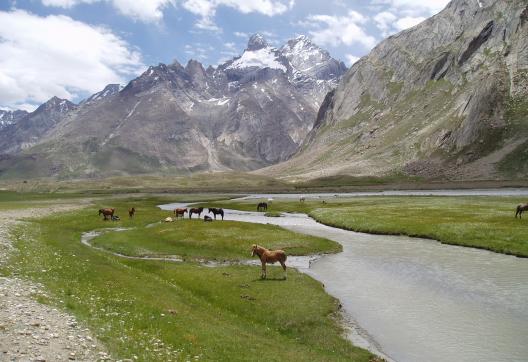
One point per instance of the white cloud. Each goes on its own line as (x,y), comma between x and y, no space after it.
(385,21)
(408,22)
(241,34)
(143,10)
(50,56)
(206,9)
(412,7)
(351,59)
(432,6)
(389,24)
(338,30)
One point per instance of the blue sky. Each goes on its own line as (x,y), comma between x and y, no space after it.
(73,48)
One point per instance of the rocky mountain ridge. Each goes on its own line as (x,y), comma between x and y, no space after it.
(250,112)
(445,99)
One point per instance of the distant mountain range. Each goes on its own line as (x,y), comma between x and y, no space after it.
(446,99)
(250,112)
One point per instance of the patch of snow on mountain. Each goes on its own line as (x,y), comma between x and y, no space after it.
(262,58)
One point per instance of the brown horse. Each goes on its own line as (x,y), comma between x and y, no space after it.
(520,209)
(180,212)
(107,213)
(196,210)
(131,212)
(269,256)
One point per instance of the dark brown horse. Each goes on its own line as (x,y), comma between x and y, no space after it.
(520,209)
(270,257)
(196,210)
(180,212)
(262,206)
(216,211)
(107,213)
(131,212)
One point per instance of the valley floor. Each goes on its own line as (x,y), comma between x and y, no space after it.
(153,310)
(485,222)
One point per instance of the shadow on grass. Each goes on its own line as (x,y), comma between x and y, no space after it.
(270,280)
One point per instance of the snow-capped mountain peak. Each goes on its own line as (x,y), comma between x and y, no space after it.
(257,42)
(109,90)
(56,104)
(261,58)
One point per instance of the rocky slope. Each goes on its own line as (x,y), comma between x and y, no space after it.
(447,99)
(250,112)
(8,118)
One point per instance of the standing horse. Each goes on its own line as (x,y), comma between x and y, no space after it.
(196,210)
(262,206)
(520,209)
(216,211)
(108,212)
(269,256)
(131,212)
(302,199)
(180,212)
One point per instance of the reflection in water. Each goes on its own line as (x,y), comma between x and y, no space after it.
(418,299)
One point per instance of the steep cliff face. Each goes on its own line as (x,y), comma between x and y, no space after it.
(444,99)
(250,112)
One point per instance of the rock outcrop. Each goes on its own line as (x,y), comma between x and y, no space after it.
(445,99)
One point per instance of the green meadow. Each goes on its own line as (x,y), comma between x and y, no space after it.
(166,311)
(480,222)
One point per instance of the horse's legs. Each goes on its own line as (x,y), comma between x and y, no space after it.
(263,275)
(284,268)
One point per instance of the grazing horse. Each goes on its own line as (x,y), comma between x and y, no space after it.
(107,213)
(520,209)
(216,211)
(262,206)
(269,256)
(196,210)
(131,212)
(180,212)
(302,199)
(208,218)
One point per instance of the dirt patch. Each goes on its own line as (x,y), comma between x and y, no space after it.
(32,331)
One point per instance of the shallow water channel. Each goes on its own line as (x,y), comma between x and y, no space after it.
(418,300)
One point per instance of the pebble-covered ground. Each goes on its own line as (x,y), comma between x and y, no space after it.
(29,330)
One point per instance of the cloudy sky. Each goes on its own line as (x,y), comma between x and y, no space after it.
(73,48)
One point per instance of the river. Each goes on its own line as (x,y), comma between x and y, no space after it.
(419,300)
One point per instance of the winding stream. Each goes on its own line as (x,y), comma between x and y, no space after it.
(419,300)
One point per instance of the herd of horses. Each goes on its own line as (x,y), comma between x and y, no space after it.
(109,213)
(266,256)
(180,212)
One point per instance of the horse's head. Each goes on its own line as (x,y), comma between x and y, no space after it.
(100,212)
(254,249)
